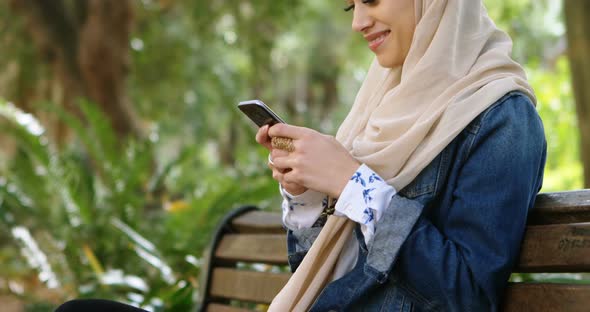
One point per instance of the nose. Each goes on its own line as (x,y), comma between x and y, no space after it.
(361,19)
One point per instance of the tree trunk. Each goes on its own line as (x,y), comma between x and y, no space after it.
(104,59)
(85,43)
(578,35)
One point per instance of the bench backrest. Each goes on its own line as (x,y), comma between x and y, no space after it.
(246,263)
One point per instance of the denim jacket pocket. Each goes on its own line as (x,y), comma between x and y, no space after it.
(393,297)
(396,301)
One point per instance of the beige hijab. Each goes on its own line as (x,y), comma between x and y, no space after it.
(458,65)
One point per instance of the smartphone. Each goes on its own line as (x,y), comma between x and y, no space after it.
(259,113)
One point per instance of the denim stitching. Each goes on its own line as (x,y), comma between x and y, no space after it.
(428,304)
(389,299)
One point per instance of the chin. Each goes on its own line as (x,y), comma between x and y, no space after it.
(389,62)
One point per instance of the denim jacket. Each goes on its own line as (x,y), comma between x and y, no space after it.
(449,240)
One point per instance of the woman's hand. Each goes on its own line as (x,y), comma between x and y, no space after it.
(278,174)
(319,162)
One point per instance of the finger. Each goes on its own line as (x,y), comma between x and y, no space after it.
(284,162)
(271,166)
(292,188)
(263,138)
(278,153)
(261,134)
(287,131)
(290,178)
(283,171)
(277,175)
(288,186)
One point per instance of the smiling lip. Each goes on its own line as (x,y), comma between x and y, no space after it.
(376,39)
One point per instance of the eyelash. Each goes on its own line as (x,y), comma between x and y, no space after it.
(351,7)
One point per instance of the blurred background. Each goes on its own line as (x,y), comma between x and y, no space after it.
(121,146)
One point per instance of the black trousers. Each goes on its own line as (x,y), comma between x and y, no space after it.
(96,305)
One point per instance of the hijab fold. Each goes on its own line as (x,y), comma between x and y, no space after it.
(459,63)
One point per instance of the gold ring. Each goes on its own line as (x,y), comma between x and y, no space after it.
(282,143)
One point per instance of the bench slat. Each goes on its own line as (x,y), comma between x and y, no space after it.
(265,248)
(556,248)
(540,297)
(259,222)
(561,207)
(216,307)
(260,287)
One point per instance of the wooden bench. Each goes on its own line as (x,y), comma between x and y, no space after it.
(246,263)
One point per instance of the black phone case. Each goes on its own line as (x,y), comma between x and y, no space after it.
(259,114)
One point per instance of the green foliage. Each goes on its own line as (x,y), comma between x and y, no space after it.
(557,109)
(535,26)
(90,221)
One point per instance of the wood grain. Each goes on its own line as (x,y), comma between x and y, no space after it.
(260,287)
(547,297)
(561,207)
(216,307)
(259,222)
(265,248)
(555,248)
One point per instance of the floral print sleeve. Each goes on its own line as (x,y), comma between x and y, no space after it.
(364,198)
(302,211)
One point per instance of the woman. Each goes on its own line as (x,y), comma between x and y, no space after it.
(432,172)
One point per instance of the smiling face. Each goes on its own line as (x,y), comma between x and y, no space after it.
(388,26)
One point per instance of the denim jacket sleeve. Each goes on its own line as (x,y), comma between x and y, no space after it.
(461,256)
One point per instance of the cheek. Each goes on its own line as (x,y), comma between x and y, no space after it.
(392,56)
(400,43)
